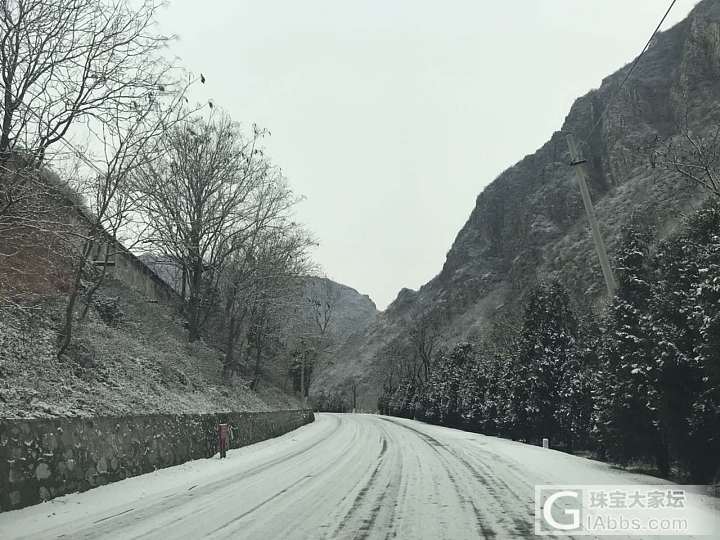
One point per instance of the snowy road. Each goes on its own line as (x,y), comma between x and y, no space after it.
(344,476)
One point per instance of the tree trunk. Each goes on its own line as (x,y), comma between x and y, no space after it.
(183,287)
(89,295)
(229,366)
(256,375)
(194,304)
(7,122)
(302,377)
(65,336)
(66,333)
(662,457)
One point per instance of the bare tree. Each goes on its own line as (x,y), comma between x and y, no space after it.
(322,298)
(425,337)
(312,335)
(62,60)
(65,63)
(126,141)
(411,359)
(259,288)
(399,367)
(353,393)
(693,149)
(695,156)
(207,193)
(286,262)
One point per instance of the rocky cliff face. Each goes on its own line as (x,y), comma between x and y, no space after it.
(350,311)
(529,223)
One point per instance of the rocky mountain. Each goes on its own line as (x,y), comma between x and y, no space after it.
(349,311)
(529,223)
(342,311)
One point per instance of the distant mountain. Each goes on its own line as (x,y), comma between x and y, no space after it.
(352,312)
(529,223)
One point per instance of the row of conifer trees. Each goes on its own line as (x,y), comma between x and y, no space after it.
(638,382)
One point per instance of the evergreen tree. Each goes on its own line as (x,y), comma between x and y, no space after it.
(476,400)
(645,375)
(627,400)
(546,380)
(688,302)
(443,393)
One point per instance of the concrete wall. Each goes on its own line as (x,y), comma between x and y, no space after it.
(44,458)
(123,264)
(126,267)
(137,275)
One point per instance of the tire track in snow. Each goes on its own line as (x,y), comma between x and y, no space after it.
(487,522)
(310,507)
(369,499)
(318,477)
(389,493)
(260,505)
(173,501)
(460,492)
(352,476)
(493,478)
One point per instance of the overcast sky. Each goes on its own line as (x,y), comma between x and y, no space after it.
(391,116)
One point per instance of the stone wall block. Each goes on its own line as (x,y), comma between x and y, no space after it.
(45,458)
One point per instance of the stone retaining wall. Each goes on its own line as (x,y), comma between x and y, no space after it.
(44,458)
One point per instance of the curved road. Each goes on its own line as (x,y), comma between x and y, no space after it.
(344,476)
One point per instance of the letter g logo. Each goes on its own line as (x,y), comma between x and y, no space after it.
(575,513)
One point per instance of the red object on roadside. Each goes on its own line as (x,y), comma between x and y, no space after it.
(223,439)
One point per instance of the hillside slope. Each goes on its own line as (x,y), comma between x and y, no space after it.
(141,363)
(529,223)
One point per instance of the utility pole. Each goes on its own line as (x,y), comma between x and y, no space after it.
(578,164)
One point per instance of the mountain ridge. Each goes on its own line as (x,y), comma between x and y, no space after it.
(529,223)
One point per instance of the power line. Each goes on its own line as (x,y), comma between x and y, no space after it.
(630,71)
(579,165)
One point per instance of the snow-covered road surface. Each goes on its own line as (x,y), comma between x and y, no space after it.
(344,476)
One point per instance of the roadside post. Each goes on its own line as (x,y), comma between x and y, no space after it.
(546,442)
(223,435)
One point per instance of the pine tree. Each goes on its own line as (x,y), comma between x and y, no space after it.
(688,302)
(478,395)
(627,400)
(546,379)
(444,395)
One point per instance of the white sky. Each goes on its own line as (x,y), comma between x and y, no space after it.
(391,116)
